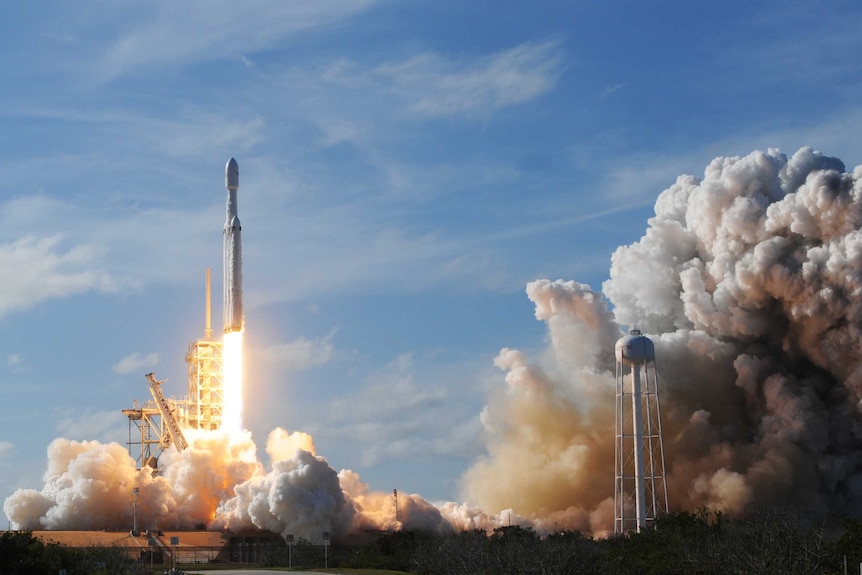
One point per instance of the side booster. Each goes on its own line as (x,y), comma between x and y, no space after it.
(233,318)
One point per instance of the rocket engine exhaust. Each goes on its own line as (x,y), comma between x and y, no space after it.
(233,315)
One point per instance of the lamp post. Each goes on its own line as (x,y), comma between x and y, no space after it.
(289,550)
(135,512)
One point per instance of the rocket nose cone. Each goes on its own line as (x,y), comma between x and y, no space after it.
(231,175)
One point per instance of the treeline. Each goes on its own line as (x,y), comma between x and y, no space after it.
(682,543)
(23,554)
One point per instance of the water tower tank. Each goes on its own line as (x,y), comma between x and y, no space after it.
(635,349)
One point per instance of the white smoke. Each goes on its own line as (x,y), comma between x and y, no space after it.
(87,486)
(749,282)
(551,437)
(216,482)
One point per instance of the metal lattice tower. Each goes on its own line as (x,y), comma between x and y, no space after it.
(147,434)
(153,427)
(204,407)
(640,488)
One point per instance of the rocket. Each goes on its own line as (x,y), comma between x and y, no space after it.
(233,318)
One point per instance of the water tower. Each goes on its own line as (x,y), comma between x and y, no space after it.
(640,490)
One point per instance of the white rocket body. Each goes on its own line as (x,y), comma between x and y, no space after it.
(233,316)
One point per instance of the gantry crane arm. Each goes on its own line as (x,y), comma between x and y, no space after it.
(167,412)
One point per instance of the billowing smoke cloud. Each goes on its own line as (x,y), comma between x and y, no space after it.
(216,482)
(551,448)
(749,282)
(88,485)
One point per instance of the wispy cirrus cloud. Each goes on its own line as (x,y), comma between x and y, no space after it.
(136,362)
(88,424)
(437,87)
(170,33)
(396,416)
(608,90)
(300,354)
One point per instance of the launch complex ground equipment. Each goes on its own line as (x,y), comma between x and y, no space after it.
(158,424)
(203,407)
(168,413)
(156,427)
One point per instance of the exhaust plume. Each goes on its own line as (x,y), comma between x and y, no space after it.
(218,482)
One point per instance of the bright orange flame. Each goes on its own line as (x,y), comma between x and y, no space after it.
(232,383)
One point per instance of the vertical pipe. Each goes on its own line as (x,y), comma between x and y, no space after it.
(638,432)
(208,332)
(135,513)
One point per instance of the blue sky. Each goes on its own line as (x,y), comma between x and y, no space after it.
(405,169)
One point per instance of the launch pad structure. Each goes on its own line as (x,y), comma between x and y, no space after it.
(157,424)
(203,409)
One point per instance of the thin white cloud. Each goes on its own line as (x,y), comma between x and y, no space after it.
(169,33)
(129,254)
(85,425)
(461,439)
(837,134)
(392,391)
(5,447)
(192,131)
(438,87)
(638,179)
(13,359)
(811,52)
(198,134)
(299,354)
(610,90)
(66,39)
(136,363)
(35,270)
(394,417)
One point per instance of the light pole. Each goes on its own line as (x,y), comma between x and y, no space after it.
(289,551)
(135,512)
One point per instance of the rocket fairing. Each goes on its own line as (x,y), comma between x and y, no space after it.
(233,318)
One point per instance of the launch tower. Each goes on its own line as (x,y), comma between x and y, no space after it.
(204,408)
(640,489)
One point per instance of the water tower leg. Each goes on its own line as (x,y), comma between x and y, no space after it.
(638,424)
